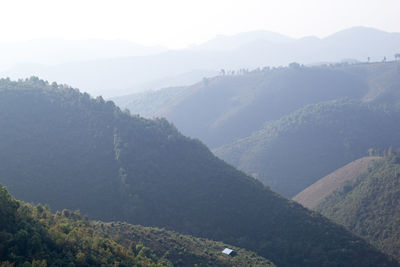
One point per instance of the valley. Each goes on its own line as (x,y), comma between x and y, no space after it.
(200,133)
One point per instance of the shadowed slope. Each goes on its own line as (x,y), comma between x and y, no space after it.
(295,151)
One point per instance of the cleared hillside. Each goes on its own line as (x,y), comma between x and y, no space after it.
(316,193)
(369,206)
(61,147)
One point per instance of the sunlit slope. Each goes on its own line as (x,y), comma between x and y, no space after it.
(316,193)
(295,151)
(181,250)
(32,235)
(61,147)
(369,205)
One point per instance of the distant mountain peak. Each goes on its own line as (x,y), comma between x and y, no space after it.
(230,42)
(358,32)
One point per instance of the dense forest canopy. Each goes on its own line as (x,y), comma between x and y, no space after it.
(62,147)
(295,151)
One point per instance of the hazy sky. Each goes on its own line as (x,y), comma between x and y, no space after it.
(178,23)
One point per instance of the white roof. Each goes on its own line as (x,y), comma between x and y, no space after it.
(227,251)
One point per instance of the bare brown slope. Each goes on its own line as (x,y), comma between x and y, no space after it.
(315,193)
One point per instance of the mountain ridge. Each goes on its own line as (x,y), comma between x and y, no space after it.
(126,75)
(240,104)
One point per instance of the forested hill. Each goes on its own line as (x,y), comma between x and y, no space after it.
(61,147)
(33,236)
(369,205)
(295,151)
(222,109)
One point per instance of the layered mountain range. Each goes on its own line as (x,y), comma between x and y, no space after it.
(64,148)
(119,68)
(286,126)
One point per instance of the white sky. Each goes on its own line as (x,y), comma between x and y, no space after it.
(178,23)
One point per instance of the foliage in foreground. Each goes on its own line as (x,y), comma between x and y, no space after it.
(33,236)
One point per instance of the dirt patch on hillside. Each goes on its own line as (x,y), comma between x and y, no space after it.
(315,193)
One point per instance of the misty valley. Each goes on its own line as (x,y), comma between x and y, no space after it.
(249,150)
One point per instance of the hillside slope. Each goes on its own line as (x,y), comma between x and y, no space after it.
(295,151)
(180,250)
(222,109)
(61,147)
(33,234)
(316,193)
(369,206)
